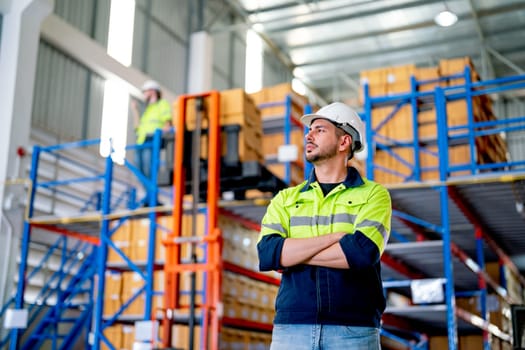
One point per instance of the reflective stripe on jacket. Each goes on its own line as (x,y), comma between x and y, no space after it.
(312,294)
(154,117)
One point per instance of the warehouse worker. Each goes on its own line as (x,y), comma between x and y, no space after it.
(327,235)
(156,115)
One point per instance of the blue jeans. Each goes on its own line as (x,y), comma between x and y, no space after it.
(324,337)
(144,161)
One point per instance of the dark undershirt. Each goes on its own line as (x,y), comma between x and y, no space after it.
(328,187)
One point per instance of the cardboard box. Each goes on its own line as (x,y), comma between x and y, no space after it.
(121,238)
(112,305)
(137,307)
(272,142)
(113,284)
(128,337)
(180,337)
(428,74)
(403,73)
(114,336)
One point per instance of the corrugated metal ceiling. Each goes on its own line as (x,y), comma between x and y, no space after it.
(328,42)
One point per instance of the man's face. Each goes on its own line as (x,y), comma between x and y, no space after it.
(149,95)
(322,142)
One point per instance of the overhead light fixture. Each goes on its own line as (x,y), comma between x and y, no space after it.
(446,18)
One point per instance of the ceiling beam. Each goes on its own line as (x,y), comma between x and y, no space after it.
(387,8)
(318,20)
(294,4)
(348,80)
(485,58)
(241,12)
(505,60)
(366,55)
(431,48)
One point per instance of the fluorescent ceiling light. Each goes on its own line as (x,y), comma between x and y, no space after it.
(446,18)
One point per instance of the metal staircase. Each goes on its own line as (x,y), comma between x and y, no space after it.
(64,303)
(68,311)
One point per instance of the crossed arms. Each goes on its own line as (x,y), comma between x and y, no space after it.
(320,251)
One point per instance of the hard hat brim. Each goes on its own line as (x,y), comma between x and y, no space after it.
(307,119)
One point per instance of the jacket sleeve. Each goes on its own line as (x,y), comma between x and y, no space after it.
(364,247)
(165,114)
(360,252)
(274,230)
(269,249)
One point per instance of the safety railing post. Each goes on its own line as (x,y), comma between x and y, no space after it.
(26,235)
(102,254)
(445,220)
(307,165)
(369,141)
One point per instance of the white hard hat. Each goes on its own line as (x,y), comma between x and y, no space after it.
(344,118)
(150,85)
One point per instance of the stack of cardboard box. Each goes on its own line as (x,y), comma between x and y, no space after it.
(271,101)
(236,108)
(395,124)
(243,297)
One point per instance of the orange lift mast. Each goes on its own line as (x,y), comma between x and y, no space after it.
(212,265)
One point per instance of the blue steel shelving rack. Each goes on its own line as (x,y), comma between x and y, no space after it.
(108,207)
(444,187)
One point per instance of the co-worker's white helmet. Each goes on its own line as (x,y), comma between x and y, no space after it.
(150,85)
(344,118)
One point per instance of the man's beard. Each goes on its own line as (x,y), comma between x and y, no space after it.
(322,155)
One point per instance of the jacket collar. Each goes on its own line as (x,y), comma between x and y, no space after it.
(353,179)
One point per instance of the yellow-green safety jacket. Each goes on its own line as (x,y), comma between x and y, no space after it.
(322,295)
(154,117)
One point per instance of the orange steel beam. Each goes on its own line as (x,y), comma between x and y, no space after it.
(213,289)
(80,236)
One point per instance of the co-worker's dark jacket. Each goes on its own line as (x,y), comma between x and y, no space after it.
(321,295)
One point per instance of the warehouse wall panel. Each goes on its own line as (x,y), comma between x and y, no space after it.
(160,41)
(68,97)
(93,117)
(89,16)
(239,60)
(173,14)
(229,60)
(275,71)
(223,66)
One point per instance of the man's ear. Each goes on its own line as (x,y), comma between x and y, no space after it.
(346,141)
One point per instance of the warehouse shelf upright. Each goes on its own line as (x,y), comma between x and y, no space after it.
(437,240)
(285,124)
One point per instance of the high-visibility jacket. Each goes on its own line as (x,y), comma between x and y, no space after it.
(154,117)
(322,295)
